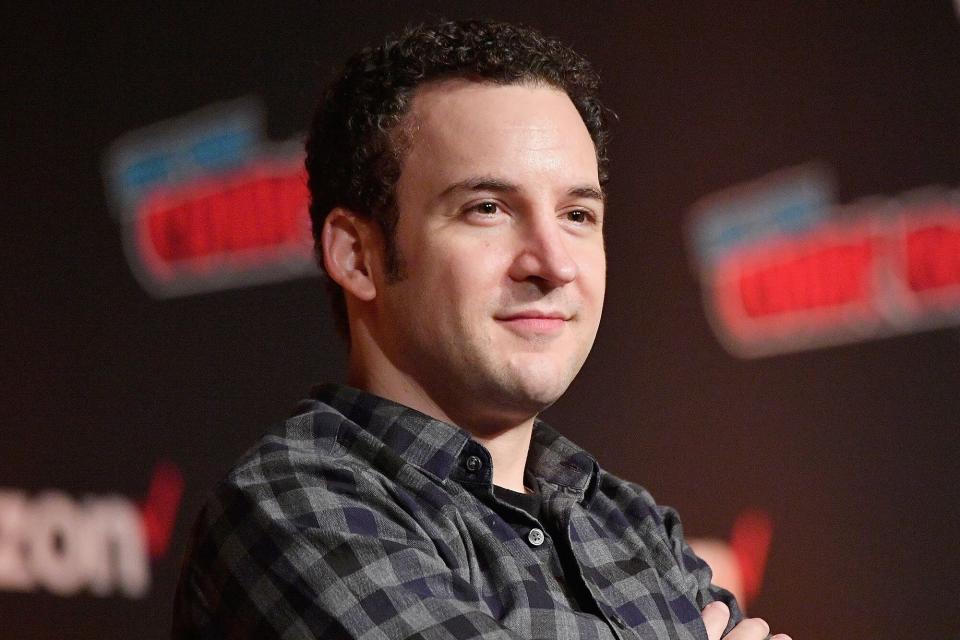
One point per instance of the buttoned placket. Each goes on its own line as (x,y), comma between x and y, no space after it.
(549,553)
(616,624)
(479,474)
(535,534)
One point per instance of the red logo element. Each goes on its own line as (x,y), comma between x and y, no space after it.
(738,564)
(817,283)
(933,255)
(812,278)
(750,542)
(207,203)
(783,269)
(886,272)
(159,509)
(250,218)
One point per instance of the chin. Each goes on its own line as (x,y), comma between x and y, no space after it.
(536,388)
(507,400)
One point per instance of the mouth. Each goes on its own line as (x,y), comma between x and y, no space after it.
(535,322)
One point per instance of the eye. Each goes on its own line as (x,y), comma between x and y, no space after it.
(579,216)
(486,212)
(486,208)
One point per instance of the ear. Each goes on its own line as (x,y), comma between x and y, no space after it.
(349,244)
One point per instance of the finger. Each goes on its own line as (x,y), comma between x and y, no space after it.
(781,636)
(715,617)
(749,629)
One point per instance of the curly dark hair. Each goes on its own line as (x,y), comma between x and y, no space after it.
(354,152)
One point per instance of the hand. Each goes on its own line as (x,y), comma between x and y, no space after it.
(715,618)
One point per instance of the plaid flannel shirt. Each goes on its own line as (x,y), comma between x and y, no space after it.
(362,518)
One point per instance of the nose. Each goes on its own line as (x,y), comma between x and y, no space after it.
(544,256)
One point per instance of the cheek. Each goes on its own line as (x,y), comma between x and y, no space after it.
(593,272)
(469,272)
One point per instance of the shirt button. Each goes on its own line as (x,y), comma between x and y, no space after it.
(474,463)
(535,537)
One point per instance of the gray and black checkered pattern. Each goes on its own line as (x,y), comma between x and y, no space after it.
(362,518)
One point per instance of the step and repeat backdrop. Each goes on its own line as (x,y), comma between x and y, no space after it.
(779,356)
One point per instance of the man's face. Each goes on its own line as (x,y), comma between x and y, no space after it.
(500,237)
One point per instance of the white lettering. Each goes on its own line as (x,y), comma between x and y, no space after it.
(51,533)
(13,573)
(57,543)
(114,551)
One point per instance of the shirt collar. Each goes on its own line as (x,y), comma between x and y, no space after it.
(443,450)
(558,461)
(431,445)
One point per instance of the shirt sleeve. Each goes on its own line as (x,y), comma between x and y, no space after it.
(693,566)
(291,557)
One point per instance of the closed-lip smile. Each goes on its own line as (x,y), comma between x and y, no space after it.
(533,321)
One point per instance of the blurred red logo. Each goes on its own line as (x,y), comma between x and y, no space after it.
(782,270)
(207,203)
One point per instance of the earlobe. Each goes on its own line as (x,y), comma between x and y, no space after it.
(346,241)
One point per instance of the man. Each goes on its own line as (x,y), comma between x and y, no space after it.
(457,177)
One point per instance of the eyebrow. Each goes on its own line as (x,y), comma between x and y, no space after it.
(481,184)
(589,192)
(498,185)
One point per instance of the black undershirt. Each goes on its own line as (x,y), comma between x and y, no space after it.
(577,592)
(529,502)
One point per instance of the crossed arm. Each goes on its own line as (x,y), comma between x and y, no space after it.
(259,570)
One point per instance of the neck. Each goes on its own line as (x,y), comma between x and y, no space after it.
(507,440)
(509,452)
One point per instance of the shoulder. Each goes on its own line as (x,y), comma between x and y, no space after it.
(300,509)
(641,512)
(632,499)
(318,473)
(305,442)
(305,473)
(286,509)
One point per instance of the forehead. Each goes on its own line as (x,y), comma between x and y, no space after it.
(459,128)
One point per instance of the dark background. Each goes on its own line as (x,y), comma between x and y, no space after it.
(852,450)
